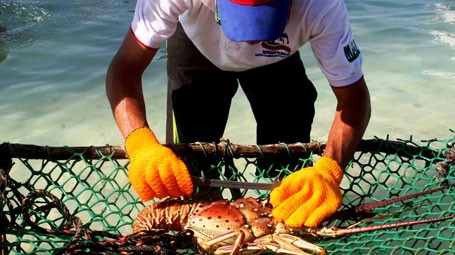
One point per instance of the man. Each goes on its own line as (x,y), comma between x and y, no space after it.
(214,46)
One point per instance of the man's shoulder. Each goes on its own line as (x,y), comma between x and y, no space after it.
(169,5)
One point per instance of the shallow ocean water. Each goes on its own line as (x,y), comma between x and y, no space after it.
(54,55)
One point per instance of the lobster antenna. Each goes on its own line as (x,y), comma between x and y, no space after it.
(337,232)
(366,208)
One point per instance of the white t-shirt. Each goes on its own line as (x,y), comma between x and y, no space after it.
(322,23)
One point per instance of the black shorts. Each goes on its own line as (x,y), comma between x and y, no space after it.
(280,94)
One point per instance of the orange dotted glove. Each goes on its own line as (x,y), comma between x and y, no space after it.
(154,170)
(309,195)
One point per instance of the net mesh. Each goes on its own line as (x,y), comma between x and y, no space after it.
(59,197)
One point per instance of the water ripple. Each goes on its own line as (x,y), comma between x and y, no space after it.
(25,22)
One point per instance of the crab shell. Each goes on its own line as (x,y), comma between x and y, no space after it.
(249,215)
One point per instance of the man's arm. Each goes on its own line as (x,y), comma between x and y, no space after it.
(154,170)
(124,84)
(350,122)
(308,196)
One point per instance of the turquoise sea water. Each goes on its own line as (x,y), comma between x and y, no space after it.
(54,55)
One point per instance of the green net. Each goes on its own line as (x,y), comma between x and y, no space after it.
(55,197)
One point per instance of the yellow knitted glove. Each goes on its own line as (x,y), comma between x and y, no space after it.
(309,195)
(154,170)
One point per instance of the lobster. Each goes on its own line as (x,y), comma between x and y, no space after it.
(246,225)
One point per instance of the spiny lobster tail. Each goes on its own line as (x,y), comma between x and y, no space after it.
(170,214)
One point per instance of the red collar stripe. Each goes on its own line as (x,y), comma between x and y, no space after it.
(251,2)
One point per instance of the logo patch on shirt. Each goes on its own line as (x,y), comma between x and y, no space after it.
(277,48)
(351,51)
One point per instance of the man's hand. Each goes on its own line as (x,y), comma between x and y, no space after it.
(155,171)
(309,195)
